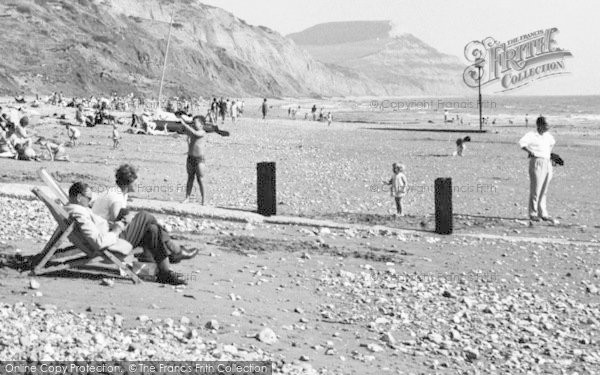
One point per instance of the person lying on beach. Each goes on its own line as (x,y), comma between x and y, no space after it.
(55,149)
(140,231)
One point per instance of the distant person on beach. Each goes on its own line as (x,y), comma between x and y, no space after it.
(6,147)
(264,108)
(329,118)
(55,149)
(538,145)
(313,110)
(526,120)
(115,135)
(79,115)
(223,110)
(26,152)
(22,137)
(214,109)
(234,111)
(73,134)
(461,145)
(398,186)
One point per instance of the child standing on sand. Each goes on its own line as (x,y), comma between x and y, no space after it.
(115,135)
(73,134)
(398,188)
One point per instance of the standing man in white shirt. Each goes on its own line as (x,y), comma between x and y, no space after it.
(538,145)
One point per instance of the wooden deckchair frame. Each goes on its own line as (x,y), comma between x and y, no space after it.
(79,254)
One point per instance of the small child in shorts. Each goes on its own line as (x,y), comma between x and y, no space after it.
(73,134)
(398,186)
(115,135)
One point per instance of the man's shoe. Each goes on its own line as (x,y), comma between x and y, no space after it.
(170,277)
(534,218)
(183,255)
(550,220)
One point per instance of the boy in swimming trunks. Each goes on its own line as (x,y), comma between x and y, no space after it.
(196,162)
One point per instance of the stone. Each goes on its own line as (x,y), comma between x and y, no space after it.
(267,336)
(375,348)
(471,353)
(107,282)
(212,324)
(388,338)
(435,338)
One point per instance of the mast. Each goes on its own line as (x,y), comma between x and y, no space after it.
(165,62)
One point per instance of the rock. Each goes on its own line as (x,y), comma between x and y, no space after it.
(184,320)
(212,324)
(375,348)
(107,282)
(455,335)
(388,338)
(143,318)
(100,339)
(34,284)
(435,338)
(448,294)
(267,336)
(471,353)
(304,358)
(592,289)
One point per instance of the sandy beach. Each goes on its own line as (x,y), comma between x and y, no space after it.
(339,301)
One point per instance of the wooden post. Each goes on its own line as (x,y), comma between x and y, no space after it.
(443,205)
(266,188)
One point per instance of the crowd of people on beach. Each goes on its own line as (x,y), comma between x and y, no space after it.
(16,141)
(294,111)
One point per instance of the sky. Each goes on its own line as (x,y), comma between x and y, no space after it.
(449,25)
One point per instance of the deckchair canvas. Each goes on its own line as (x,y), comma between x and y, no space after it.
(53,258)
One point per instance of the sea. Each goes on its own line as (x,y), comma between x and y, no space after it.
(503,110)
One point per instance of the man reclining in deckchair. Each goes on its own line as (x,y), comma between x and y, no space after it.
(139,232)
